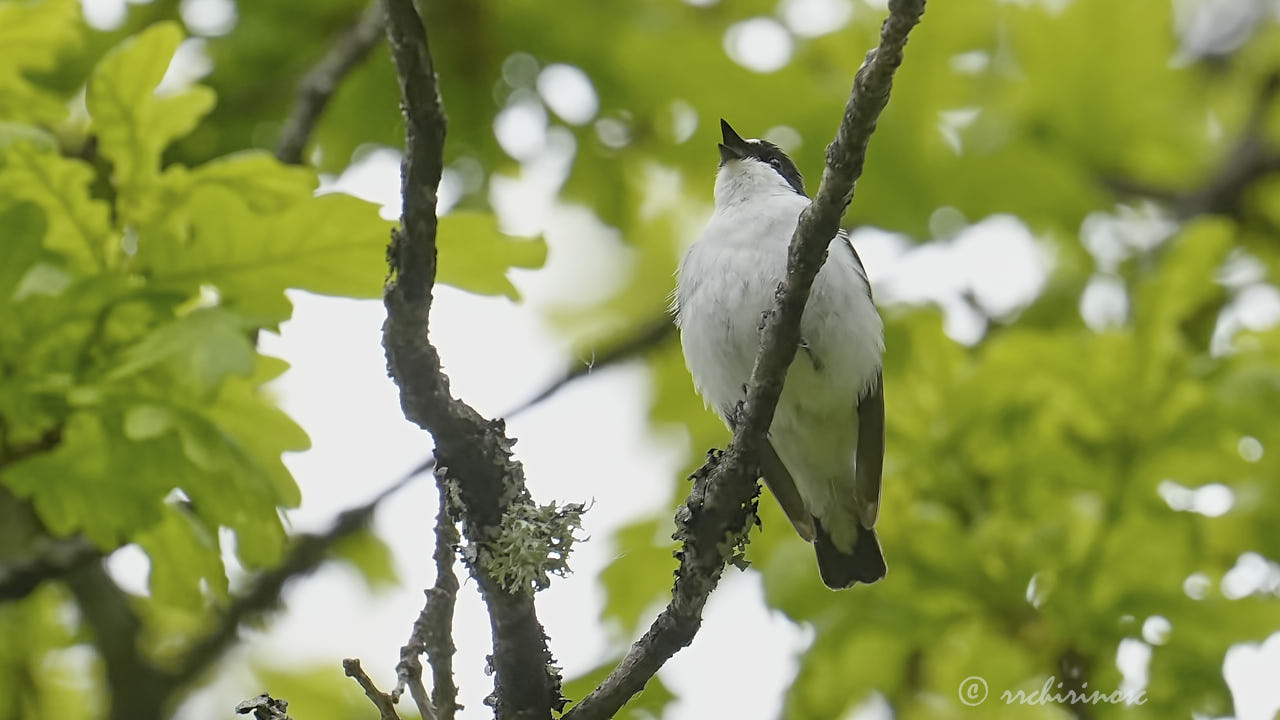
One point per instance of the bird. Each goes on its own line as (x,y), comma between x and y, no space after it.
(825,447)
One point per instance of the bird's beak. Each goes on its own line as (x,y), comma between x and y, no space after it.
(732,147)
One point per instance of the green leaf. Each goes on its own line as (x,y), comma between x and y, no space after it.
(132,122)
(36,633)
(1184,286)
(145,421)
(333,245)
(93,482)
(649,704)
(185,558)
(264,183)
(318,692)
(370,556)
(261,429)
(474,254)
(12,133)
(204,347)
(825,686)
(639,578)
(24,229)
(79,225)
(34,35)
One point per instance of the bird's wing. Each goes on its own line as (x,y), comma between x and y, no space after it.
(842,238)
(783,487)
(870,460)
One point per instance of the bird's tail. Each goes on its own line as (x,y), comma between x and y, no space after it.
(839,570)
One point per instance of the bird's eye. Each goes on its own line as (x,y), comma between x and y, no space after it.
(776,163)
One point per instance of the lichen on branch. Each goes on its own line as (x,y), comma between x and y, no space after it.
(533,543)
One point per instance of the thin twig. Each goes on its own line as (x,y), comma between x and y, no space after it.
(646,337)
(322,81)
(264,707)
(714,521)
(438,616)
(386,706)
(433,630)
(409,672)
(475,450)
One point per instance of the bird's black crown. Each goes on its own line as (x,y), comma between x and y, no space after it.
(733,147)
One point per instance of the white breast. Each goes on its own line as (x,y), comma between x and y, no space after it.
(728,280)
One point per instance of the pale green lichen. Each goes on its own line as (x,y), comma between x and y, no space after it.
(533,543)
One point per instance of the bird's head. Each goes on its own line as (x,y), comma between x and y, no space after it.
(753,169)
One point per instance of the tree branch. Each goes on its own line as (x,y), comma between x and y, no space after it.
(433,630)
(1249,160)
(49,558)
(264,707)
(138,689)
(646,337)
(321,82)
(473,449)
(714,522)
(386,706)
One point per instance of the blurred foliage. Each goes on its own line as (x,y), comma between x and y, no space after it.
(1027,516)
(132,288)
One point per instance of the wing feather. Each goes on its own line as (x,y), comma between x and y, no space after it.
(870,460)
(783,487)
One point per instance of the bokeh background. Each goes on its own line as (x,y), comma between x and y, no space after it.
(1071,219)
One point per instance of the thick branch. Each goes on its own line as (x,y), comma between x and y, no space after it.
(720,509)
(50,558)
(473,449)
(138,689)
(321,82)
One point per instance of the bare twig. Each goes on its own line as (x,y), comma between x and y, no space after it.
(386,706)
(475,450)
(321,82)
(264,707)
(646,337)
(714,522)
(433,630)
(438,617)
(409,671)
